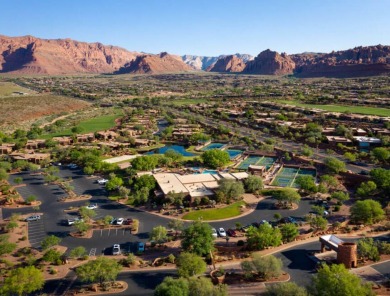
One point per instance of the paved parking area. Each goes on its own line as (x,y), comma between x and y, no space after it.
(36,232)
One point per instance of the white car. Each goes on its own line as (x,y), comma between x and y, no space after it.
(72,166)
(116,249)
(119,221)
(221,232)
(214,232)
(91,206)
(102,181)
(74,221)
(33,218)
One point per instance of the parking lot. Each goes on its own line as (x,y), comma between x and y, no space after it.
(36,232)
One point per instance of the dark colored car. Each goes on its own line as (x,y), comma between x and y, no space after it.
(128,221)
(231,232)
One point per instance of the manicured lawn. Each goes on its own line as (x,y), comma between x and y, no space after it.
(92,125)
(339,108)
(216,214)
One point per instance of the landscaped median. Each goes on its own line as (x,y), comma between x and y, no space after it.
(230,211)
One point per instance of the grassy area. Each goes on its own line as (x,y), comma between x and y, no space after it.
(216,214)
(8,89)
(340,108)
(92,125)
(149,148)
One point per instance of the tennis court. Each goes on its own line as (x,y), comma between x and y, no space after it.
(213,146)
(233,153)
(257,160)
(287,176)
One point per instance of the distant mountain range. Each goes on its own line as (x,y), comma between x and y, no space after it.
(31,55)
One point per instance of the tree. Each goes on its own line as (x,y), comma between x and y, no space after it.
(175,156)
(366,189)
(114,183)
(23,280)
(52,256)
(3,174)
(262,237)
(77,129)
(230,189)
(78,252)
(306,183)
(336,280)
(202,286)
(330,182)
(215,158)
(350,156)
(50,241)
(367,211)
(189,265)
(367,249)
(89,170)
(289,232)
(82,227)
(198,137)
(198,238)
(18,180)
(124,192)
(253,184)
(340,196)
(381,177)
(5,246)
(145,163)
(100,270)
(306,151)
(381,154)
(334,165)
(11,225)
(287,195)
(287,288)
(176,225)
(87,214)
(145,181)
(30,199)
(159,234)
(172,287)
(264,267)
(318,223)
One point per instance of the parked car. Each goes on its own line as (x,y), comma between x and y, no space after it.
(245,228)
(140,247)
(221,232)
(214,232)
(231,232)
(33,218)
(364,173)
(119,221)
(72,221)
(255,224)
(72,166)
(116,249)
(102,181)
(128,221)
(91,206)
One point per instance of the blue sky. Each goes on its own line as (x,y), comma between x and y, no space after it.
(204,27)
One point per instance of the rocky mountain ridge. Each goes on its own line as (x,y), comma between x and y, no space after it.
(31,55)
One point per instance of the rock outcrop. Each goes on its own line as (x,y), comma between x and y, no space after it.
(270,63)
(155,64)
(229,63)
(31,55)
(204,63)
(359,61)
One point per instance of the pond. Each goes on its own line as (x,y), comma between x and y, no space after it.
(178,148)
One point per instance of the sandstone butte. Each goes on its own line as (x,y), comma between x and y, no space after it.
(230,63)
(155,64)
